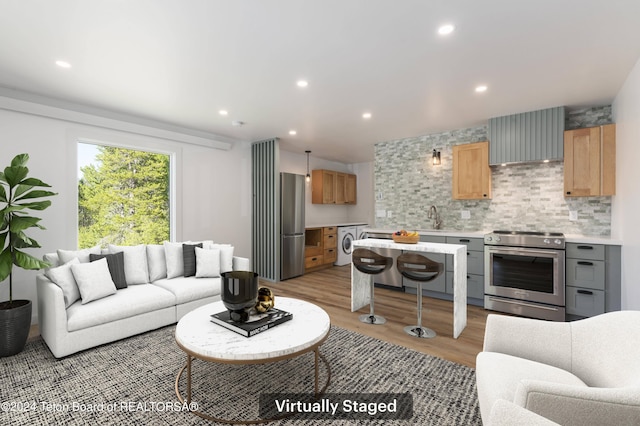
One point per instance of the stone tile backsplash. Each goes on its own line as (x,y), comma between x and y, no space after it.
(525,196)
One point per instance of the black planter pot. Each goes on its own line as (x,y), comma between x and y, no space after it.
(15,323)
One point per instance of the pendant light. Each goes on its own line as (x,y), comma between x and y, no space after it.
(308,178)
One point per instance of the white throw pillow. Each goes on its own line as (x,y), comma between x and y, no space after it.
(226,256)
(174,258)
(94,280)
(157,262)
(82,255)
(63,278)
(135,263)
(207,263)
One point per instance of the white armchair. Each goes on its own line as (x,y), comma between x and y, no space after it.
(584,372)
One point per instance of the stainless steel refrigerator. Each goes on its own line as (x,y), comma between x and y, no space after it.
(292,197)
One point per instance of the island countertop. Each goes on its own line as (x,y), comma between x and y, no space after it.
(360,282)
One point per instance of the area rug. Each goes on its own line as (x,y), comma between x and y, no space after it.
(131,382)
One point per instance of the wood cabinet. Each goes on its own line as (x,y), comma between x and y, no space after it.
(471,173)
(590,161)
(321,245)
(351,189)
(331,187)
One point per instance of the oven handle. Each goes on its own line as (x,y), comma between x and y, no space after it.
(523,251)
(530,305)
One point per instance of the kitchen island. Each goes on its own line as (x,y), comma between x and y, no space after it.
(360,282)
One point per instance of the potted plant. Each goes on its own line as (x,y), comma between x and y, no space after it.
(18,194)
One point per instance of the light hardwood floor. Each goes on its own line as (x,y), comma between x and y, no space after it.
(331,289)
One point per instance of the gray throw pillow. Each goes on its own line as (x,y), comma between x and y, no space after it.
(189,258)
(115,261)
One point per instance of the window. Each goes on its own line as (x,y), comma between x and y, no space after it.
(123,196)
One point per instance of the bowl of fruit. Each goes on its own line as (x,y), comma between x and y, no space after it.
(405,237)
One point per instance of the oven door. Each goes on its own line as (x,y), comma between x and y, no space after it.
(534,275)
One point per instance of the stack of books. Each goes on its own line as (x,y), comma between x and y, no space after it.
(257,323)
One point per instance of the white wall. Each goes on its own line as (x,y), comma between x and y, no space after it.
(213,186)
(626,203)
(327,214)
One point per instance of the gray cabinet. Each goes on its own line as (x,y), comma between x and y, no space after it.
(439,284)
(592,279)
(475,269)
(442,287)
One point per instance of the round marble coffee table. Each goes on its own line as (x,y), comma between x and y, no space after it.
(200,338)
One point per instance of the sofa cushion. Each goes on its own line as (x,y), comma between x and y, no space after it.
(207,263)
(174,258)
(135,262)
(226,255)
(115,262)
(498,376)
(63,278)
(189,258)
(131,301)
(190,289)
(94,280)
(82,255)
(156,262)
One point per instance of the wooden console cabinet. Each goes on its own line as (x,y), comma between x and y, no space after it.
(321,245)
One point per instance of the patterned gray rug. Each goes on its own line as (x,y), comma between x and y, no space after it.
(131,382)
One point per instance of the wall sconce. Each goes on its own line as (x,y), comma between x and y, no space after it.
(436,158)
(308,177)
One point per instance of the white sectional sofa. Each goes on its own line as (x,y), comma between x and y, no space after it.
(74,314)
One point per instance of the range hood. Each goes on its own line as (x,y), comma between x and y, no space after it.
(527,137)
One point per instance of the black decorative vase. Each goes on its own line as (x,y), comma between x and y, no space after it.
(239,293)
(15,323)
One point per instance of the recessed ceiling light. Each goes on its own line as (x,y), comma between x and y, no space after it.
(63,64)
(293,132)
(446,29)
(481,89)
(223,112)
(302,83)
(366,115)
(545,161)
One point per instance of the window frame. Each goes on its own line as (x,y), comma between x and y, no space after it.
(135,143)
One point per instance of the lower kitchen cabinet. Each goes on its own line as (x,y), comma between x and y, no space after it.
(475,269)
(592,279)
(442,287)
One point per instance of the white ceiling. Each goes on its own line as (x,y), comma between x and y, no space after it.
(181,61)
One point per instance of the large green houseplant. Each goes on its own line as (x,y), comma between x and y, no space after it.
(18,194)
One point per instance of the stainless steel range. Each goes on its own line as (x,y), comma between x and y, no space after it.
(524,273)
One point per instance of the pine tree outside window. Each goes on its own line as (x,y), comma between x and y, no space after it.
(123,197)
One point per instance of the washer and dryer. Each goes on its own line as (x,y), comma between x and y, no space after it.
(361,232)
(346,235)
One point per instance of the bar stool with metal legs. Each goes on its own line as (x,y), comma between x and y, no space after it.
(421,269)
(371,263)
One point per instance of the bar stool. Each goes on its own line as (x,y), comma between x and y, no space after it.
(421,269)
(371,263)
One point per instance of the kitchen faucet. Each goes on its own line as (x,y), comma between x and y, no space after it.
(433,214)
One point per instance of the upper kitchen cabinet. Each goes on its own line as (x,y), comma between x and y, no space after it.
(331,187)
(471,172)
(351,191)
(590,161)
